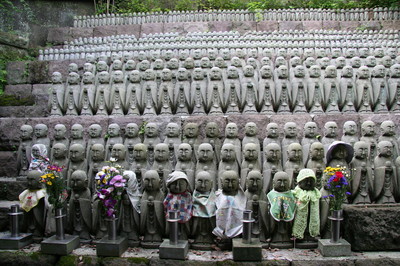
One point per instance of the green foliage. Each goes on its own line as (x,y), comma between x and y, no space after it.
(15,11)
(4,59)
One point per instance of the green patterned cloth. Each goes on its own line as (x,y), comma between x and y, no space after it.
(283,205)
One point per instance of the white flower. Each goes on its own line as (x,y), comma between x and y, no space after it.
(113,160)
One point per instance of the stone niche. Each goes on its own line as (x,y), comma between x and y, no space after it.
(372,227)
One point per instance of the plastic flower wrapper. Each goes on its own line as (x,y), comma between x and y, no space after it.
(337,184)
(109,187)
(55,186)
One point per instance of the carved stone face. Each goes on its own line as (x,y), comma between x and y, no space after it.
(395,71)
(101,66)
(161,152)
(173,63)
(59,151)
(228,153)
(172,130)
(151,130)
(88,78)
(35,152)
(134,76)
(118,152)
(73,78)
(339,152)
(331,72)
(250,152)
(266,71)
(184,152)
(130,65)
(56,78)
(350,128)
(95,131)
(317,151)
(151,181)
(283,72)
(104,77)
(370,61)
(144,65)
(310,129)
(140,152)
(251,129)
(385,149)
(203,182)
(149,74)
(198,74)
(72,68)
(191,130)
(254,181)
(219,62)
(364,72)
(280,61)
(356,62)
(252,62)
(77,153)
(379,71)
(340,62)
(26,132)
(388,128)
(295,152)
(212,130)
(347,72)
(364,52)
(113,130)
(368,128)
(281,182)
(33,180)
(233,72)
(205,152)
(361,150)
(230,183)
(331,129)
(131,130)
(212,54)
(178,186)
(118,76)
(235,61)
(142,56)
(226,54)
(290,130)
(197,54)
(248,71)
(299,71)
(98,152)
(336,53)
(205,62)
(386,61)
(307,184)
(182,74)
(231,130)
(350,53)
(189,63)
(309,62)
(41,131)
(79,180)
(273,152)
(59,131)
(117,65)
(315,71)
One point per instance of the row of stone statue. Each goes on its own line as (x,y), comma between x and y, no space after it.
(230,90)
(355,14)
(192,155)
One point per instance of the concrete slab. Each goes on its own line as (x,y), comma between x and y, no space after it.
(9,242)
(246,252)
(174,252)
(54,246)
(329,249)
(111,248)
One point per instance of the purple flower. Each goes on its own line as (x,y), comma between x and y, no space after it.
(338,186)
(331,195)
(117,181)
(348,193)
(324,197)
(110,212)
(110,203)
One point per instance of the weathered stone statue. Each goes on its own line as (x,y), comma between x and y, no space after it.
(294,162)
(181,100)
(191,136)
(72,93)
(80,206)
(388,133)
(213,137)
(40,132)
(331,90)
(364,90)
(114,137)
(267,92)
(151,139)
(316,161)
(230,202)
(77,135)
(179,198)
(282,206)
(339,154)
(331,134)
(315,90)
(173,139)
(257,202)
(129,211)
(87,94)
(228,161)
(77,157)
(394,87)
(118,152)
(283,90)
(152,217)
(165,102)
(95,132)
(290,136)
(310,136)
(131,139)
(380,89)
(231,136)
(24,149)
(272,164)
(206,161)
(60,132)
(60,157)
(140,165)
(350,132)
(103,93)
(215,91)
(162,164)
(96,163)
(149,93)
(249,91)
(232,90)
(118,93)
(385,175)
(272,135)
(198,90)
(56,95)
(134,93)
(306,225)
(361,182)
(204,210)
(185,161)
(32,201)
(251,161)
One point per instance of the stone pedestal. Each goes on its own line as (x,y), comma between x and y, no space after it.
(9,242)
(54,246)
(246,252)
(329,249)
(111,248)
(175,252)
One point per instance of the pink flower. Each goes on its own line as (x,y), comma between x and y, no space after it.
(117,181)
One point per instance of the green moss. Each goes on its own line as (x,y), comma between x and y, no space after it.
(86,260)
(13,100)
(139,260)
(33,255)
(66,260)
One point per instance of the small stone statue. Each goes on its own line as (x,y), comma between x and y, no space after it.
(213,137)
(350,132)
(230,202)
(364,90)
(316,161)
(228,161)
(315,90)
(134,93)
(57,95)
(152,217)
(129,212)
(294,162)
(232,90)
(310,136)
(331,134)
(87,95)
(231,136)
(95,137)
(118,152)
(33,202)
(361,182)
(173,139)
(179,198)
(206,161)
(191,136)
(198,92)
(185,162)
(40,132)
(24,149)
(282,209)
(78,161)
(140,164)
(114,136)
(166,93)
(80,206)
(162,164)
(385,175)
(204,211)
(257,202)
(151,139)
(388,133)
(60,132)
(60,157)
(272,135)
(339,154)
(272,164)
(131,139)
(347,90)
(97,156)
(290,136)
(215,90)
(306,224)
(72,93)
(181,100)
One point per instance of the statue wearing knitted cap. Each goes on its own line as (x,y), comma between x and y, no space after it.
(306,223)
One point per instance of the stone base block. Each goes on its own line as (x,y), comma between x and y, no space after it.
(246,252)
(111,248)
(174,252)
(328,249)
(9,242)
(54,246)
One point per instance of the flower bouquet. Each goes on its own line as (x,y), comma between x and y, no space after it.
(338,186)
(55,186)
(109,186)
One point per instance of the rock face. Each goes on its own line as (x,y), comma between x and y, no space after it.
(372,227)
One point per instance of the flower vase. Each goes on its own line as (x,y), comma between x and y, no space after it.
(112,228)
(59,216)
(336,217)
